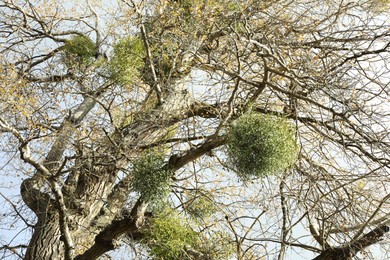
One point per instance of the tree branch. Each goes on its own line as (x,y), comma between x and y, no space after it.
(177,161)
(105,240)
(149,57)
(348,251)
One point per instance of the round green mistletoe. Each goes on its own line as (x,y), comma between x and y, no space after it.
(260,145)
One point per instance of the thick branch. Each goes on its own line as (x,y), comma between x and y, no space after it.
(176,161)
(30,189)
(351,249)
(74,119)
(105,240)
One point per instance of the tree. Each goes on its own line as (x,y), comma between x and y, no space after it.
(196,129)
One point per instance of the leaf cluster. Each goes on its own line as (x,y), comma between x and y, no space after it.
(180,27)
(168,236)
(80,49)
(150,178)
(195,7)
(260,145)
(128,58)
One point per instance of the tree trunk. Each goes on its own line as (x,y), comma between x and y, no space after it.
(45,242)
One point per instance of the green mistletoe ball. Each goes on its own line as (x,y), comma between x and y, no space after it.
(260,145)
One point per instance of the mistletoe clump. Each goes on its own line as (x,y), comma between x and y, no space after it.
(80,49)
(128,58)
(150,179)
(260,145)
(169,236)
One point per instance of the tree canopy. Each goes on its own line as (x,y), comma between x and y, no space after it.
(208,129)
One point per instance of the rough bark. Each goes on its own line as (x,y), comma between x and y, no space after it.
(350,250)
(46,242)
